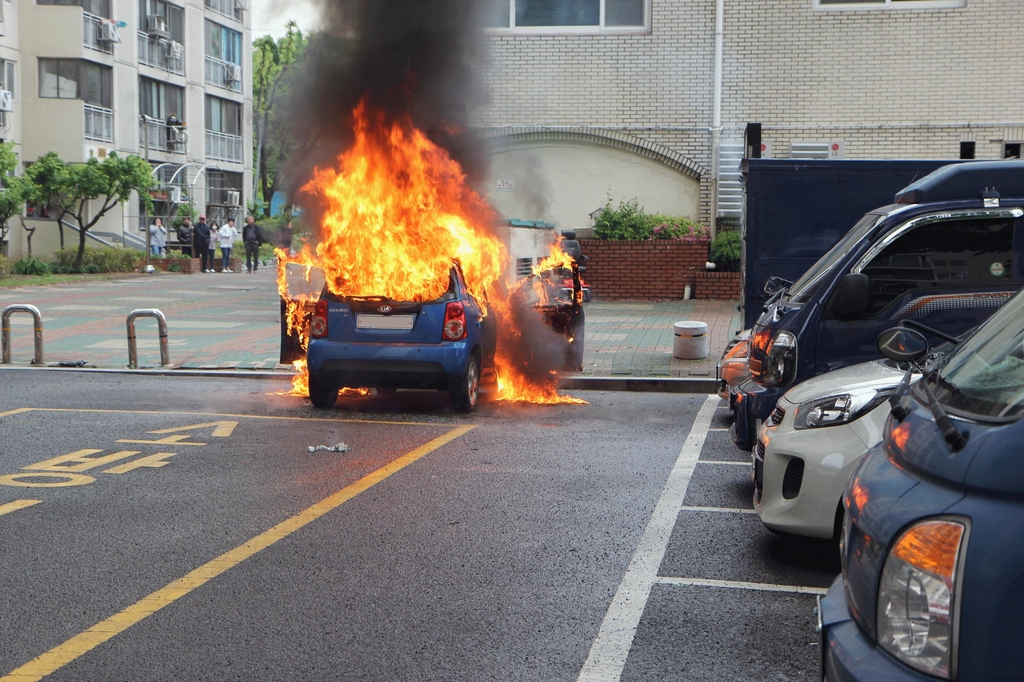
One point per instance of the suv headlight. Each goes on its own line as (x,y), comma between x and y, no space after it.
(917,609)
(841,408)
(779,368)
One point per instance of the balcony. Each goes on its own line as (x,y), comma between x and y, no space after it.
(162,53)
(224,74)
(99,34)
(223,147)
(231,9)
(99,124)
(160,137)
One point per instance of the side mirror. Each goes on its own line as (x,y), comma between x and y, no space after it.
(569,234)
(902,344)
(853,295)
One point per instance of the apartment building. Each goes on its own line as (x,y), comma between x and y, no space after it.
(637,98)
(168,80)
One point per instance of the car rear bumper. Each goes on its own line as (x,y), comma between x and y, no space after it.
(847,655)
(397,365)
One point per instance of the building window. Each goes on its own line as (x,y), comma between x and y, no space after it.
(161,100)
(167,20)
(568,16)
(887,4)
(223,44)
(7,70)
(100,8)
(223,116)
(75,79)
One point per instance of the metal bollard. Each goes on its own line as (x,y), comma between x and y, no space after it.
(133,354)
(5,331)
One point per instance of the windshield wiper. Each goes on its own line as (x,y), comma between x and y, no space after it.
(954,436)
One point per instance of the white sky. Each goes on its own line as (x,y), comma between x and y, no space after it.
(270,16)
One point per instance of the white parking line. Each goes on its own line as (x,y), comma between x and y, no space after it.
(725,462)
(740,585)
(717,429)
(718,510)
(615,638)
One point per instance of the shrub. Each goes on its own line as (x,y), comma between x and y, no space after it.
(727,251)
(629,221)
(30,266)
(105,259)
(5,267)
(173,267)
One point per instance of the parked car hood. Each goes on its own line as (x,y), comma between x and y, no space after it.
(873,374)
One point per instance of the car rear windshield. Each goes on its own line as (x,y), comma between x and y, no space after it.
(449,295)
(984,377)
(808,284)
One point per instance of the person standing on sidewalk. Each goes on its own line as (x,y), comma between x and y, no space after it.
(157,237)
(212,249)
(202,242)
(228,234)
(185,237)
(252,236)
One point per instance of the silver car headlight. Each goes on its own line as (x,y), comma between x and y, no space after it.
(917,609)
(840,408)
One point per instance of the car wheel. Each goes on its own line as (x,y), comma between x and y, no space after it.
(322,394)
(467,388)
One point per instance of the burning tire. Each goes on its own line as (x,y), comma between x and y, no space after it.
(321,394)
(467,389)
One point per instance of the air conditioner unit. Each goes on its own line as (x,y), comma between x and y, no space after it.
(175,50)
(6,100)
(241,5)
(108,32)
(234,198)
(175,195)
(234,74)
(156,26)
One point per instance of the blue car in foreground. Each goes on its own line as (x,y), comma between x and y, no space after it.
(933,543)
(446,344)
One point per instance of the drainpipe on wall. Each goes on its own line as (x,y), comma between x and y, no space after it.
(716,118)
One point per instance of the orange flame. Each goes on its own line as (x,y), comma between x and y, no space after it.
(397,212)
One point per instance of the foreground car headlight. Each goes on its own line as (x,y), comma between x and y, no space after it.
(841,408)
(917,596)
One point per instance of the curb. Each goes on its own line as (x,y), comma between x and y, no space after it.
(619,384)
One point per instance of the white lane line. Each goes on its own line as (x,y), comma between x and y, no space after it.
(717,429)
(615,638)
(739,585)
(718,510)
(725,462)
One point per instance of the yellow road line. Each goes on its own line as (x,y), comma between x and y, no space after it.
(217,414)
(62,654)
(16,505)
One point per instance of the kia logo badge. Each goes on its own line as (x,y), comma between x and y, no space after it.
(384,309)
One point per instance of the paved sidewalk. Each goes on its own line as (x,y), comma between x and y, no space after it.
(230,321)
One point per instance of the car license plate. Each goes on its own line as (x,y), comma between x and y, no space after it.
(401,322)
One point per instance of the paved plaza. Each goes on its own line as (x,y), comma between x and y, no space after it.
(231,321)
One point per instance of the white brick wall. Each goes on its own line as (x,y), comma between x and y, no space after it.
(890,83)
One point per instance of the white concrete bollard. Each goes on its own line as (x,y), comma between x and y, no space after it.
(691,340)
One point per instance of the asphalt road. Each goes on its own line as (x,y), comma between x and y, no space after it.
(612,540)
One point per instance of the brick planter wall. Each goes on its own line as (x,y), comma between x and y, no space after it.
(653,270)
(720,285)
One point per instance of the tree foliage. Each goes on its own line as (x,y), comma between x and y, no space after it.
(87,191)
(12,195)
(272,64)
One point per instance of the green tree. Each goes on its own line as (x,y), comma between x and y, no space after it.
(87,191)
(12,194)
(272,62)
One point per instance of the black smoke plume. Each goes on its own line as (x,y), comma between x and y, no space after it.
(416,58)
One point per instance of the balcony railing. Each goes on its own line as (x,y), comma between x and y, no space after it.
(162,53)
(229,8)
(223,147)
(98,33)
(161,137)
(99,124)
(224,74)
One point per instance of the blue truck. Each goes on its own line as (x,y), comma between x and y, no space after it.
(947,252)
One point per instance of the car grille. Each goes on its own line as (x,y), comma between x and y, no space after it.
(778,414)
(758,473)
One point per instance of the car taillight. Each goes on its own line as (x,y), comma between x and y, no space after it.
(318,325)
(454,322)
